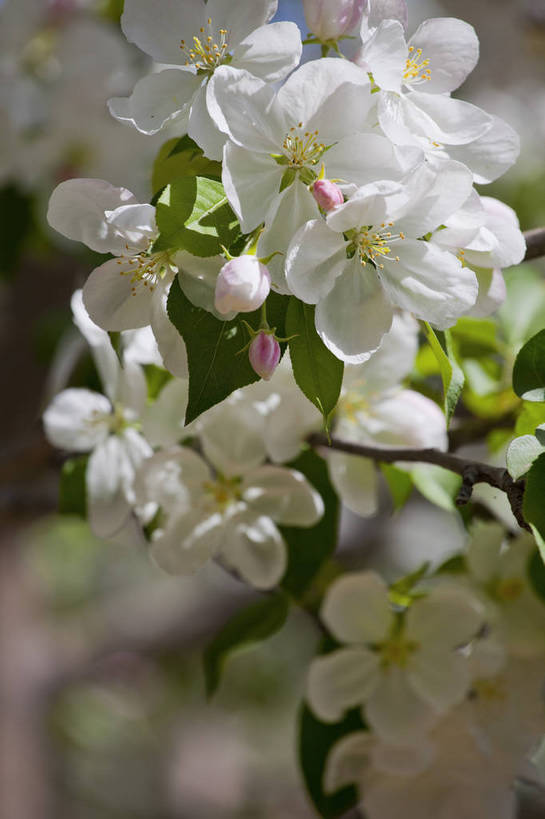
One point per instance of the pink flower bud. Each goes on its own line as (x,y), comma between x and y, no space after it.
(327,194)
(264,354)
(330,19)
(242,286)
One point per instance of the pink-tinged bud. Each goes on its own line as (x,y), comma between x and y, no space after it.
(264,355)
(242,286)
(331,19)
(327,194)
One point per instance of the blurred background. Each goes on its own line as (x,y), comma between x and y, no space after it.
(102,707)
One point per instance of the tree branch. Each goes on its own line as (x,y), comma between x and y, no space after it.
(535,243)
(472,472)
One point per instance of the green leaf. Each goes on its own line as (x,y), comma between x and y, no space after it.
(453,565)
(316,740)
(310,549)
(529,369)
(533,507)
(181,157)
(475,337)
(521,454)
(215,368)
(252,625)
(531,416)
(193,214)
(73,489)
(399,483)
(451,372)
(318,373)
(156,379)
(438,485)
(536,574)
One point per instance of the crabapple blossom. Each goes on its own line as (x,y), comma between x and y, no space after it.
(366,258)
(327,194)
(406,669)
(264,354)
(228,513)
(331,19)
(196,39)
(375,410)
(242,285)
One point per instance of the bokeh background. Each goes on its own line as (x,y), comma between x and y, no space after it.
(102,707)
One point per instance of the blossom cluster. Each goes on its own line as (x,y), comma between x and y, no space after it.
(343,190)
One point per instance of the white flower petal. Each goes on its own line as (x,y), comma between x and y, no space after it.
(490,155)
(169,341)
(348,760)
(188,542)
(163,422)
(77,420)
(229,442)
(109,300)
(252,184)
(429,282)
(292,209)
(108,472)
(256,550)
(173,479)
(385,54)
(202,127)
(270,52)
(354,316)
(356,608)
(492,292)
(244,108)
(448,120)
(242,17)
(77,210)
(430,198)
(503,222)
(341,680)
(355,482)
(283,495)
(441,678)
(315,258)
(405,418)
(328,95)
(157,99)
(104,355)
(393,360)
(158,28)
(448,618)
(364,158)
(396,712)
(452,47)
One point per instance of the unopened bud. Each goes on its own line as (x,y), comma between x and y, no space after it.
(242,285)
(327,194)
(264,355)
(331,19)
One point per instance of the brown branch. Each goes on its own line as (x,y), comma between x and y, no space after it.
(535,243)
(472,472)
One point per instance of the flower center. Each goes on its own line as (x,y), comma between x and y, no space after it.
(509,589)
(416,69)
(224,491)
(302,148)
(352,404)
(207,51)
(490,690)
(145,269)
(396,651)
(373,244)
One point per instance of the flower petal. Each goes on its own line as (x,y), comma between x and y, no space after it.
(447,618)
(341,680)
(449,120)
(490,155)
(169,341)
(429,282)
(163,421)
(395,711)
(256,550)
(348,760)
(230,443)
(355,482)
(108,471)
(77,420)
(242,17)
(385,54)
(252,184)
(202,127)
(354,316)
(188,542)
(158,28)
(315,258)
(109,300)
(364,158)
(452,48)
(77,210)
(157,99)
(270,52)
(440,677)
(283,495)
(356,608)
